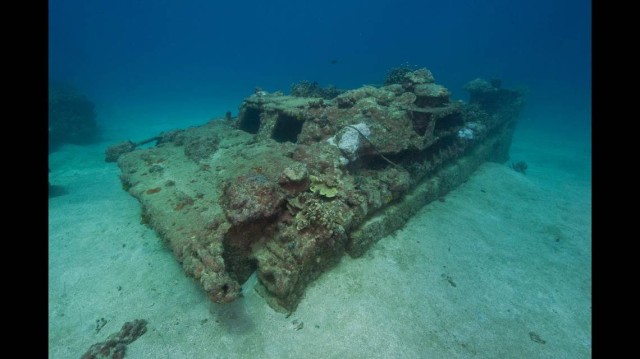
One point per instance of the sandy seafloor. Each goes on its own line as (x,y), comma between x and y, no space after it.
(500,269)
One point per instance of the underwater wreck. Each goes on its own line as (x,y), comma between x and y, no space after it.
(294,183)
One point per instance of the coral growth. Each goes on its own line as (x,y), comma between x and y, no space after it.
(313,89)
(116,344)
(251,197)
(323,189)
(72,117)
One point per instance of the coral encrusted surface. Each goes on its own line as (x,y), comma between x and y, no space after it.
(293,183)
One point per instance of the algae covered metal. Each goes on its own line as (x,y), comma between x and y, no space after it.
(294,183)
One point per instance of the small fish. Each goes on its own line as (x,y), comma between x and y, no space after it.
(334,61)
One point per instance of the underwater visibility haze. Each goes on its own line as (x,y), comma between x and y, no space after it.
(495,262)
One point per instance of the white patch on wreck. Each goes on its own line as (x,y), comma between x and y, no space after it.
(349,141)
